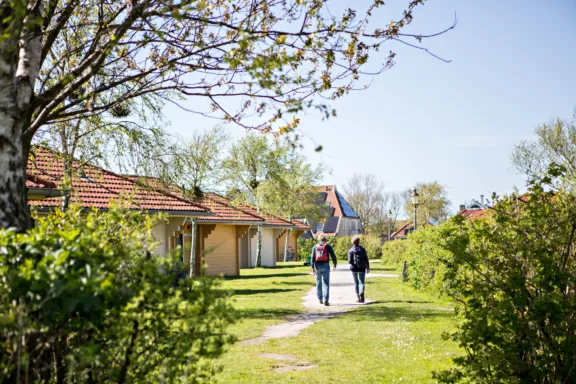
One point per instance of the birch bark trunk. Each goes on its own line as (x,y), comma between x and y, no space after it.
(287,244)
(20,54)
(259,247)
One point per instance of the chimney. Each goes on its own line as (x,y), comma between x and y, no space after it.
(462,208)
(482,200)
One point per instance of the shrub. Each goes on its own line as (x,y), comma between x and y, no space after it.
(82,300)
(427,257)
(373,245)
(394,252)
(342,245)
(514,280)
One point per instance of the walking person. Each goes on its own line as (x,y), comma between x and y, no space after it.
(321,268)
(359,265)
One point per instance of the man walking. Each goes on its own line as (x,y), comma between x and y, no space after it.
(359,265)
(321,268)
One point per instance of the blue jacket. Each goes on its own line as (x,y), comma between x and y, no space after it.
(363,255)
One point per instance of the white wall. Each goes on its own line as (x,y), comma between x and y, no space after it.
(268,245)
(268,259)
(159,235)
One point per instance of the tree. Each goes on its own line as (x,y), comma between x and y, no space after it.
(196,163)
(131,143)
(252,161)
(366,196)
(294,193)
(555,143)
(391,210)
(433,202)
(67,60)
(511,274)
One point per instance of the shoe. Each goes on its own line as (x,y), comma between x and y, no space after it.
(358,300)
(362,298)
(326,303)
(321,302)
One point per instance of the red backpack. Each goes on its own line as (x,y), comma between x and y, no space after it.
(321,253)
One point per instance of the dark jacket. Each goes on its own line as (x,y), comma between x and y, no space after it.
(330,253)
(360,251)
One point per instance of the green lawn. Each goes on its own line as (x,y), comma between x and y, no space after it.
(395,339)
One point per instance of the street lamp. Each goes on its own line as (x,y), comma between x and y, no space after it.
(389,221)
(415,197)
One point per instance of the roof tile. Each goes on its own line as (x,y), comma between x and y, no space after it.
(98,188)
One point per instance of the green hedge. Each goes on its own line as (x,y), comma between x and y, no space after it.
(83,300)
(426,254)
(342,245)
(394,252)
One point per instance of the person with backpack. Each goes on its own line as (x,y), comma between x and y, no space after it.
(321,267)
(359,265)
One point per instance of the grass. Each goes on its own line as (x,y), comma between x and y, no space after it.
(395,339)
(264,296)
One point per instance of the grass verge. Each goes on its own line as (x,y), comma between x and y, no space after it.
(395,339)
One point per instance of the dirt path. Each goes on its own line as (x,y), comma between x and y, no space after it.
(342,299)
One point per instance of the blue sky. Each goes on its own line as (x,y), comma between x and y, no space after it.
(513,67)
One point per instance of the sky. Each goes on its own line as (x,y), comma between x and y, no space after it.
(513,67)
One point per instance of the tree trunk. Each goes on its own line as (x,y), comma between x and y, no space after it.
(286,244)
(14,211)
(20,52)
(193,272)
(259,247)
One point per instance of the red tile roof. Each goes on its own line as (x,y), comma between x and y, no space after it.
(300,225)
(99,187)
(473,213)
(226,212)
(223,208)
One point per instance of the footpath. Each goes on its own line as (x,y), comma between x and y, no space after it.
(342,299)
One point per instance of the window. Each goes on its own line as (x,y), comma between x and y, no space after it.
(320,226)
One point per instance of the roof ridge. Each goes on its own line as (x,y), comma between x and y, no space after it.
(161,191)
(236,207)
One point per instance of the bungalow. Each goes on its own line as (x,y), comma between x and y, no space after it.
(224,235)
(274,232)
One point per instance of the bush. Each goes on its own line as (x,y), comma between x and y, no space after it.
(514,280)
(82,300)
(342,245)
(394,252)
(427,258)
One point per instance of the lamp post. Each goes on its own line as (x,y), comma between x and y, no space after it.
(389,221)
(415,197)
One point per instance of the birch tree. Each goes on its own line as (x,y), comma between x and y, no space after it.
(63,60)
(196,165)
(294,194)
(365,193)
(130,141)
(252,161)
(555,143)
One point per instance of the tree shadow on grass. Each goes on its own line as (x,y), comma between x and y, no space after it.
(248,277)
(266,313)
(260,291)
(311,283)
(378,312)
(286,266)
(406,301)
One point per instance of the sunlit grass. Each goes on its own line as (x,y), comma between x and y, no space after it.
(395,339)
